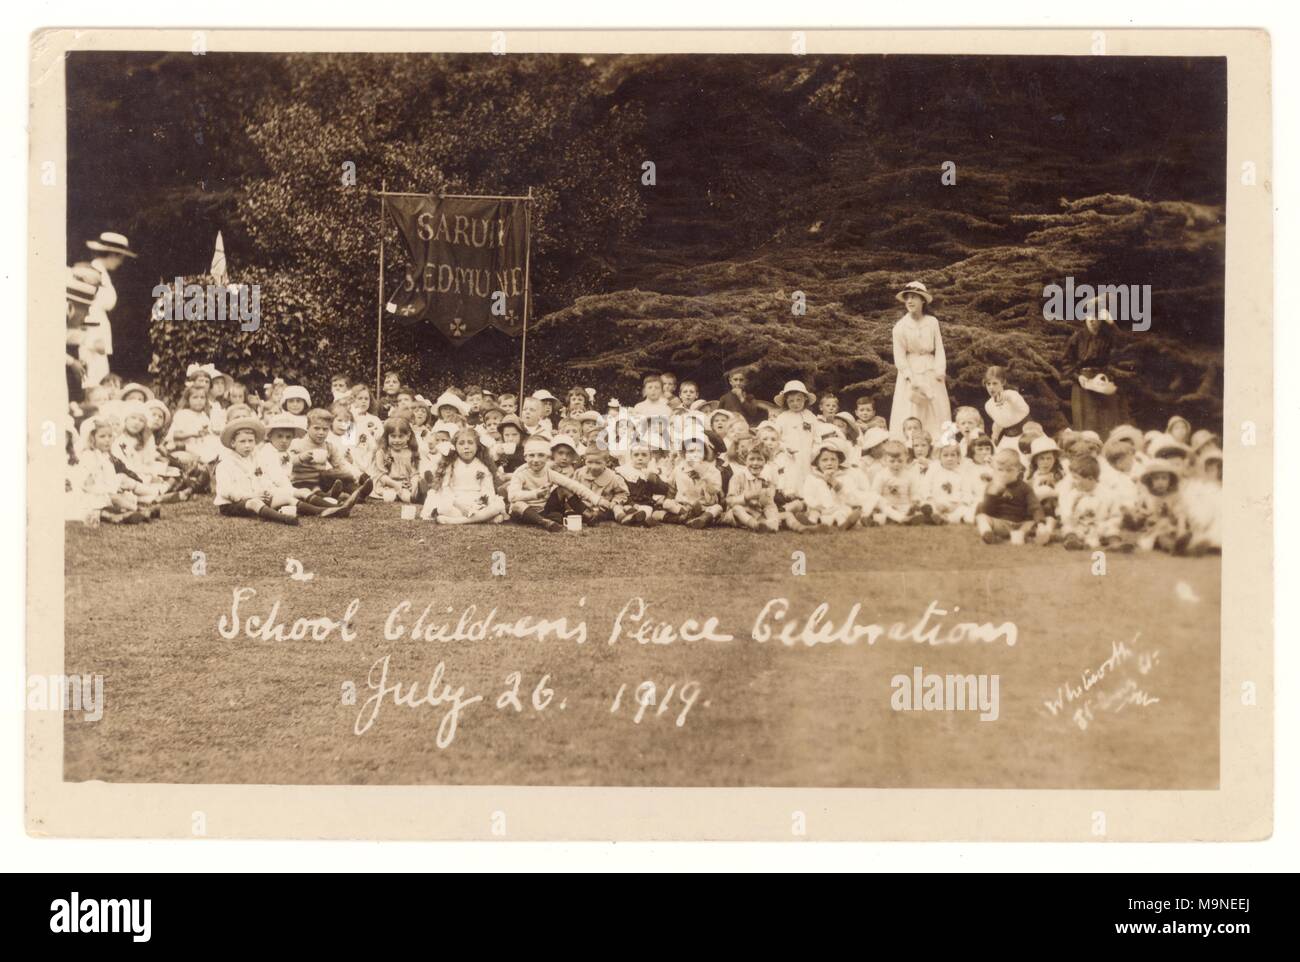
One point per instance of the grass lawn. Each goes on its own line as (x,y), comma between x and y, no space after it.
(184,704)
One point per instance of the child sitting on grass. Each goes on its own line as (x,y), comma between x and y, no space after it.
(943,486)
(608,485)
(242,489)
(539,495)
(275,461)
(462,485)
(396,463)
(648,493)
(1088,516)
(896,491)
(1009,508)
(317,463)
(697,485)
(751,497)
(1045,472)
(1160,509)
(832,497)
(104,489)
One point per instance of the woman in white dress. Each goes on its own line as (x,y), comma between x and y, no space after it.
(97,346)
(920,390)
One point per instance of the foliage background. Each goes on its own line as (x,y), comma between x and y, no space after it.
(773,175)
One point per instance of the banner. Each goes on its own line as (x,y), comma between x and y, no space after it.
(467,263)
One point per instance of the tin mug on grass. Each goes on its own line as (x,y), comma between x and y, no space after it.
(573,522)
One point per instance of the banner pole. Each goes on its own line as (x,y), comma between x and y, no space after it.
(379,315)
(528,245)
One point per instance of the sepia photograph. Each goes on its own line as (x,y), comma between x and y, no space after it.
(672,420)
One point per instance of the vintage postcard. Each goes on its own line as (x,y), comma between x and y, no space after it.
(772,435)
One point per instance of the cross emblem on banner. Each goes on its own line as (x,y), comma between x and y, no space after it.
(457,328)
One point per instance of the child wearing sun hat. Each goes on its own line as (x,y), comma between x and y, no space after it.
(832,496)
(242,490)
(1160,509)
(795,422)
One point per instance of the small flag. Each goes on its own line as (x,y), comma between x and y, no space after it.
(218,271)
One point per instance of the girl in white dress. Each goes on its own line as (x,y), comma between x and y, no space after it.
(463,490)
(919,390)
(191,428)
(1006,409)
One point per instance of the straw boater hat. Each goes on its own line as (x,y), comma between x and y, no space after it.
(545,395)
(111,243)
(133,386)
(564,441)
(447,399)
(914,287)
(448,428)
(80,288)
(242,424)
(284,421)
(1203,437)
(792,387)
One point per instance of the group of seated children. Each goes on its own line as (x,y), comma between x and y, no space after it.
(471,457)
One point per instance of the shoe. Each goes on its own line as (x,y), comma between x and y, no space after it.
(1073,542)
(988,537)
(335,490)
(699,521)
(135,517)
(551,526)
(649,519)
(155,513)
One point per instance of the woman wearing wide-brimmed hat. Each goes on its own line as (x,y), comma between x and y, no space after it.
(111,249)
(920,390)
(1096,403)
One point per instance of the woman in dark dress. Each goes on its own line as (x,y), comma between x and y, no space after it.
(1088,354)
